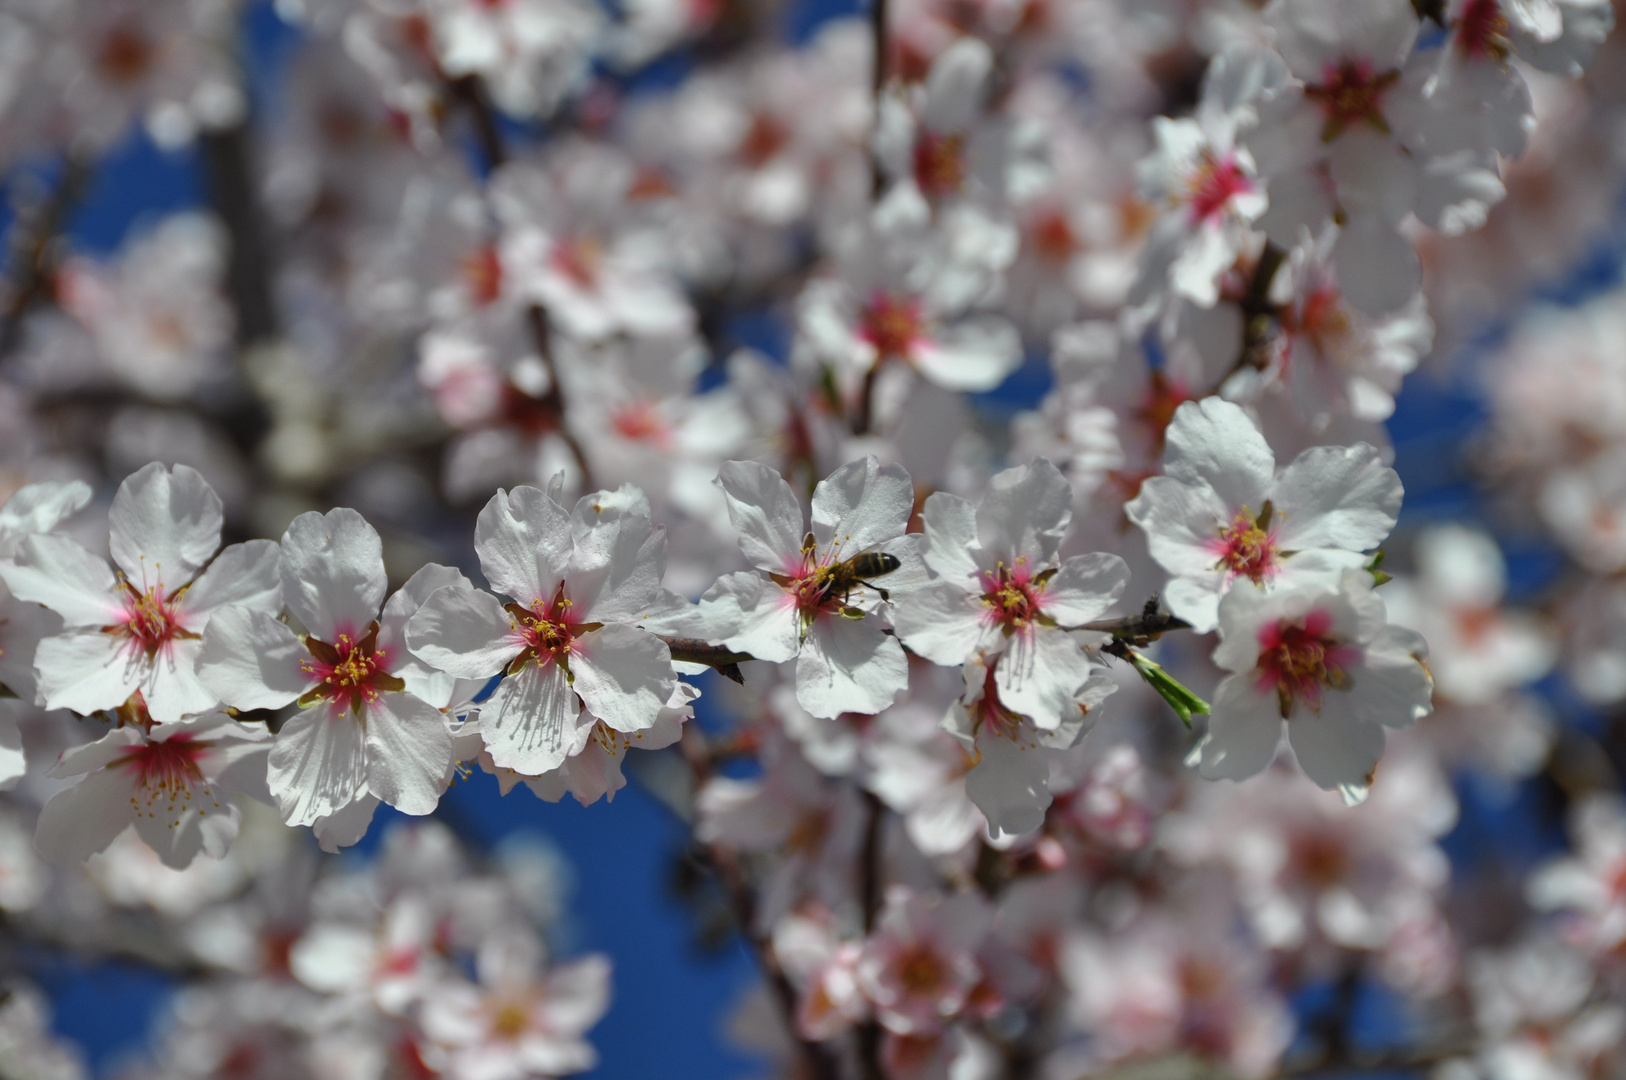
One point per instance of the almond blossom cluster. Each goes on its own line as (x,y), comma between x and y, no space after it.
(961,446)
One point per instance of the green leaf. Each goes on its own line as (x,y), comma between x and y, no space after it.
(1378,576)
(1184,703)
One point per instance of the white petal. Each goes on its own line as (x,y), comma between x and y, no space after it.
(615,570)
(1378,269)
(1216,443)
(951,533)
(956,85)
(1040,674)
(849,665)
(333,573)
(624,676)
(1243,732)
(177,825)
(87,670)
(862,505)
(1182,521)
(39,508)
(1337,497)
(1335,746)
(1024,514)
(1010,785)
(345,826)
(252,661)
(422,680)
(171,685)
(318,764)
(765,513)
(62,575)
(463,632)
(523,540)
(1084,588)
(529,724)
(164,525)
(750,613)
(409,753)
(249,575)
(941,622)
(974,354)
(85,818)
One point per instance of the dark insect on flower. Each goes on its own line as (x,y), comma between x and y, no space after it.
(839,579)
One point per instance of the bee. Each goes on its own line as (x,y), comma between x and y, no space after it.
(841,578)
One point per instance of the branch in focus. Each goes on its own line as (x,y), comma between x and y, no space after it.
(690,650)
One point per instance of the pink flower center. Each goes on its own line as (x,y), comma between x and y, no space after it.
(1216,183)
(579,261)
(1011,596)
(170,766)
(1300,659)
(1481,30)
(150,619)
(483,272)
(763,141)
(1247,548)
(126,55)
(549,630)
(350,673)
(1350,94)
(639,421)
(892,325)
(993,717)
(939,162)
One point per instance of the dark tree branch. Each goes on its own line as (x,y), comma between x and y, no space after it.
(32,250)
(235,198)
(488,134)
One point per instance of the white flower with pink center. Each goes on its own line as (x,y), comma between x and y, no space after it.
(173,782)
(821,593)
(565,641)
(1009,780)
(370,724)
(519,1020)
(1002,593)
(37,508)
(1221,516)
(1325,662)
(1206,184)
(920,968)
(137,628)
(1590,885)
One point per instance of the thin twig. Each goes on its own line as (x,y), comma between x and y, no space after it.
(489,135)
(30,271)
(869,884)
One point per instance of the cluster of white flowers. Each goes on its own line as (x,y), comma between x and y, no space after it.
(987,404)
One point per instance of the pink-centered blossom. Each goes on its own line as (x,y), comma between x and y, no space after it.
(138,627)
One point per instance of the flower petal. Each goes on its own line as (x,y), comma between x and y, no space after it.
(249,575)
(318,765)
(85,818)
(1009,784)
(1337,497)
(849,665)
(1084,588)
(1243,732)
(1024,514)
(464,632)
(1216,443)
(252,661)
(624,675)
(409,753)
(530,722)
(862,505)
(765,513)
(523,540)
(62,575)
(164,525)
(333,572)
(746,611)
(941,622)
(1040,674)
(87,670)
